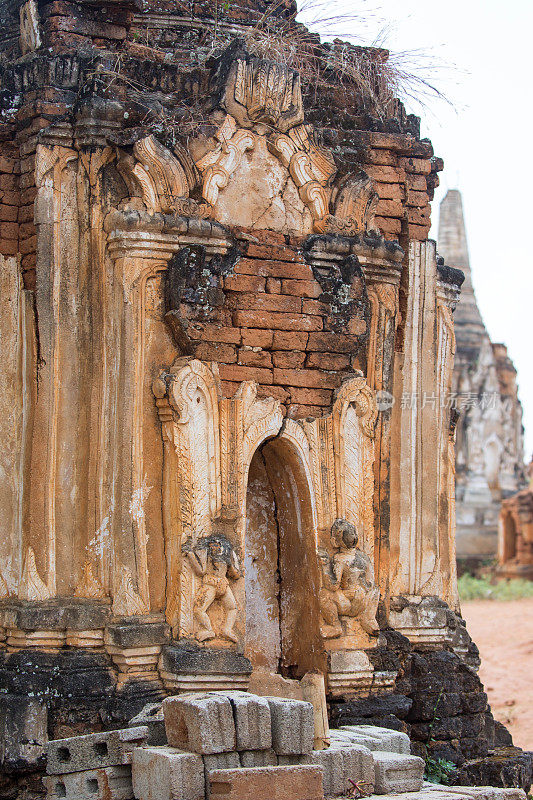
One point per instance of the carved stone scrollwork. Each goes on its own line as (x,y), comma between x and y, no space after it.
(354,422)
(89,586)
(162,179)
(310,167)
(261,418)
(355,204)
(127,601)
(218,165)
(32,587)
(4,589)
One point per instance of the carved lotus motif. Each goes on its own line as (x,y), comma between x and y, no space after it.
(263,92)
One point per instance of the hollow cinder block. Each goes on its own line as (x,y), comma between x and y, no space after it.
(343,763)
(164,773)
(293,727)
(108,783)
(95,751)
(217,761)
(200,723)
(397,772)
(151,716)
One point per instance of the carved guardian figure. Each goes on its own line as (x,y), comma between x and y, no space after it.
(348,585)
(215,561)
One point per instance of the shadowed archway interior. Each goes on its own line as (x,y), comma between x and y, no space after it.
(282,576)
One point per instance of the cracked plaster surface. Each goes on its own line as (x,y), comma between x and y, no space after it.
(262,195)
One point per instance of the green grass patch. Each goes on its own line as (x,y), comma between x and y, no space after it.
(471,588)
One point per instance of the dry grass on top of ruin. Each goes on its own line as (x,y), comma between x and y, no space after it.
(328,55)
(328,52)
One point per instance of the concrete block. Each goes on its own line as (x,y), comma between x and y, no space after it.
(342,763)
(251,715)
(434,792)
(397,772)
(108,783)
(293,726)
(152,717)
(200,723)
(164,773)
(95,751)
(389,740)
(216,761)
(267,783)
(258,758)
(290,761)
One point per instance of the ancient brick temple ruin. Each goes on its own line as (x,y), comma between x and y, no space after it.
(490,438)
(515,534)
(226,459)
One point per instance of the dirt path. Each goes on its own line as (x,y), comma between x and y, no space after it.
(503,631)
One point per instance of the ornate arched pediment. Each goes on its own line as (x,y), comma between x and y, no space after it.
(261,126)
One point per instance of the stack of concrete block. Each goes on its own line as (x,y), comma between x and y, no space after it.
(217,731)
(93,767)
(396,770)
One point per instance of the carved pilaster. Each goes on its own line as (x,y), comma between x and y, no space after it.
(423,517)
(140,254)
(382,281)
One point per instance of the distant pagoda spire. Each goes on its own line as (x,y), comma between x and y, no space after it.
(453,246)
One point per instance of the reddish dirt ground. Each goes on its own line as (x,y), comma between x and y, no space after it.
(503,631)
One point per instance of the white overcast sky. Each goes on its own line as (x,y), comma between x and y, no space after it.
(486,142)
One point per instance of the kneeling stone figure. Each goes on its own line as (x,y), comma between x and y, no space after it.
(348,585)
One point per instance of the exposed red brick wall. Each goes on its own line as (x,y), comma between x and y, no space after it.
(9,199)
(273,329)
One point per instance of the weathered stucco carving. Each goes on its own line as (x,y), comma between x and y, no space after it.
(209,443)
(214,560)
(348,588)
(127,601)
(89,586)
(263,93)
(32,587)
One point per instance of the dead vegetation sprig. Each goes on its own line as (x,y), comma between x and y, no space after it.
(338,49)
(326,52)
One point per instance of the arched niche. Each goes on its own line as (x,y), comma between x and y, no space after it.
(281,569)
(507,537)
